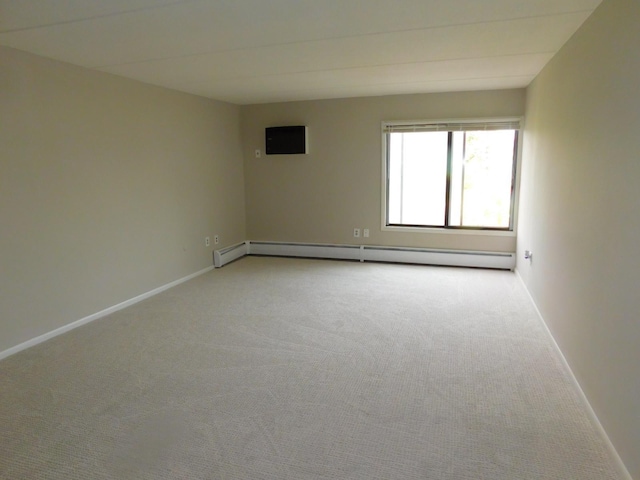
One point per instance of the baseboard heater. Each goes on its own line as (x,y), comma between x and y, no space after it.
(229,254)
(368,253)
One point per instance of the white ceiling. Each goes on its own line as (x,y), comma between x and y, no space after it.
(257,51)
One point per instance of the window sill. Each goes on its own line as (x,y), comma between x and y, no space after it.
(450,231)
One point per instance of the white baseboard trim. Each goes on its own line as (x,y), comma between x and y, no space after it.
(622,469)
(102,313)
(368,253)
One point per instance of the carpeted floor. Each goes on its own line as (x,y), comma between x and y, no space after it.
(304,369)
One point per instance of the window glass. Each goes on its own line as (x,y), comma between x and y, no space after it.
(451,179)
(417,178)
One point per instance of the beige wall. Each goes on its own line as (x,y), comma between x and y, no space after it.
(323,196)
(107,190)
(580,213)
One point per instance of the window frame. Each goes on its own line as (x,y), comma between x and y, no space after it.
(464,230)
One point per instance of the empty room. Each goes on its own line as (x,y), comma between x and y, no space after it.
(249,239)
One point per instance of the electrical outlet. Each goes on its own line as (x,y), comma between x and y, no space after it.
(258,153)
(356,232)
(207,241)
(365,233)
(216,239)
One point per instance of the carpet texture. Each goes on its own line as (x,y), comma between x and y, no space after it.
(304,369)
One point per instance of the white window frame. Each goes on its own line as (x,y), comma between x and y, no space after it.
(443,230)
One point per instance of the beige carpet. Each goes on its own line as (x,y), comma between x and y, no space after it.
(304,369)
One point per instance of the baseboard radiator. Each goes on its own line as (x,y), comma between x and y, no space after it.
(229,254)
(368,253)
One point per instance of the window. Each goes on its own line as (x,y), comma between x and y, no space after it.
(450,175)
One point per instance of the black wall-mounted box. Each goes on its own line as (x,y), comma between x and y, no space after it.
(286,140)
